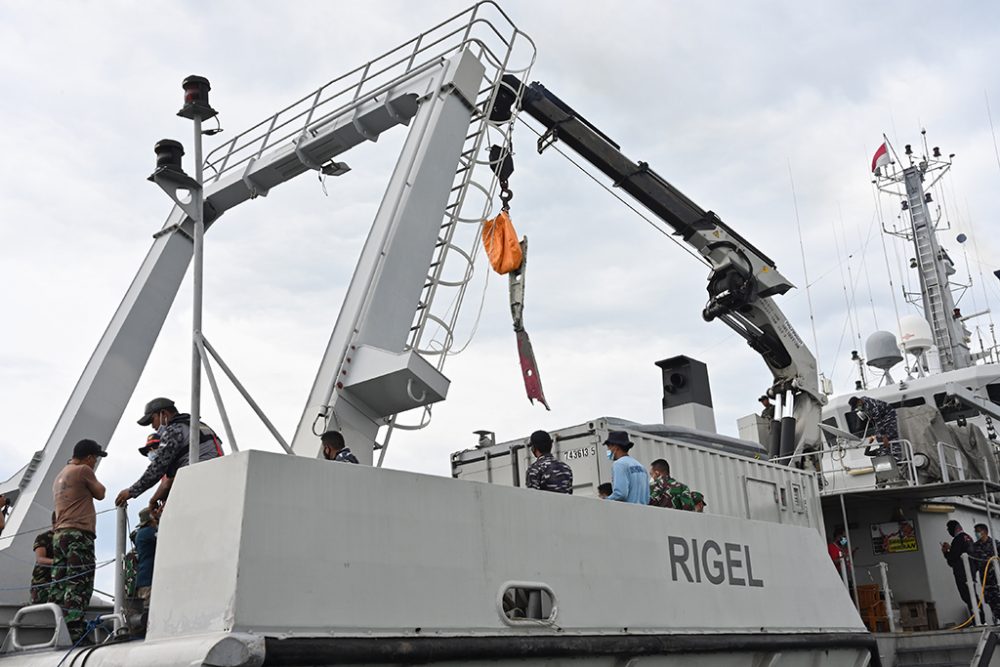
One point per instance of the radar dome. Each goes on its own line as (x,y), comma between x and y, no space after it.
(882,350)
(916,334)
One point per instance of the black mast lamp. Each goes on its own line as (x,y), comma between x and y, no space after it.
(168,170)
(188,193)
(196,99)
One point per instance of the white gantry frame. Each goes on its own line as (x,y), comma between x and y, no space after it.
(441,83)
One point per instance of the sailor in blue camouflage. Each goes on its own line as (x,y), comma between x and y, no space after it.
(980,553)
(882,424)
(175,445)
(334,448)
(546,473)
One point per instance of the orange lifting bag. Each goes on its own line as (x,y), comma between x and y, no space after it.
(502,247)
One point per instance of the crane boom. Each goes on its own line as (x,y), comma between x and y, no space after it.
(742,280)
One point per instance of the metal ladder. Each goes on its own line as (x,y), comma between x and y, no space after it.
(927,261)
(458,245)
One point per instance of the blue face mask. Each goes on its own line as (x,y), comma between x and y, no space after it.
(611,455)
(152,455)
(843,541)
(979,535)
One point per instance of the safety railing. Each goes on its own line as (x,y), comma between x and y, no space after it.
(484,26)
(880,602)
(472,198)
(951,470)
(833,460)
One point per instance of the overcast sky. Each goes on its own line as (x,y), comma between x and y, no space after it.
(731,102)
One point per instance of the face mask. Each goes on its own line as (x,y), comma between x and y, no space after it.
(152,455)
(611,455)
(843,541)
(979,535)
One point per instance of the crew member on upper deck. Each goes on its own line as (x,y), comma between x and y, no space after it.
(629,479)
(881,424)
(665,491)
(546,473)
(983,550)
(172,454)
(335,449)
(961,543)
(74,531)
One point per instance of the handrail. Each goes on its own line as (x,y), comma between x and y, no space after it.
(375,77)
(946,466)
(907,459)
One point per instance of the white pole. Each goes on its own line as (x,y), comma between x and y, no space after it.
(971,585)
(884,573)
(121,518)
(198,221)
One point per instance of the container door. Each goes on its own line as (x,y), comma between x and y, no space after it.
(762,500)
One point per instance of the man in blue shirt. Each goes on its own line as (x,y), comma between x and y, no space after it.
(629,479)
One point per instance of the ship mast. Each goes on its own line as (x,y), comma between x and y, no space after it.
(931,261)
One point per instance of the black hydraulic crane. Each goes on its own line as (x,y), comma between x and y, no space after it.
(742,280)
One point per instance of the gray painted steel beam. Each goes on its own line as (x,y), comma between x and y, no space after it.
(98,401)
(384,293)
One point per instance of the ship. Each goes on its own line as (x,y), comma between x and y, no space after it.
(303,562)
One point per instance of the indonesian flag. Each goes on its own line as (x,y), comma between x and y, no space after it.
(881,157)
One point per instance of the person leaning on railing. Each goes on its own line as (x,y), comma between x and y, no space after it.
(882,425)
(174,429)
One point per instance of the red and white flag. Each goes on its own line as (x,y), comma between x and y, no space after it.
(881,157)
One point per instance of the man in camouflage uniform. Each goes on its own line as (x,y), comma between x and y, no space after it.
(74,492)
(546,473)
(699,501)
(41,574)
(665,491)
(174,429)
(882,425)
(980,553)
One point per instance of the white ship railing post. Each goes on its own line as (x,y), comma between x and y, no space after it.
(198,222)
(970,583)
(121,524)
(883,570)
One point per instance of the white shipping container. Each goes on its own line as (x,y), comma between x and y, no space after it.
(732,474)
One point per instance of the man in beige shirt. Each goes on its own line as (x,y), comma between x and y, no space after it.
(74,492)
